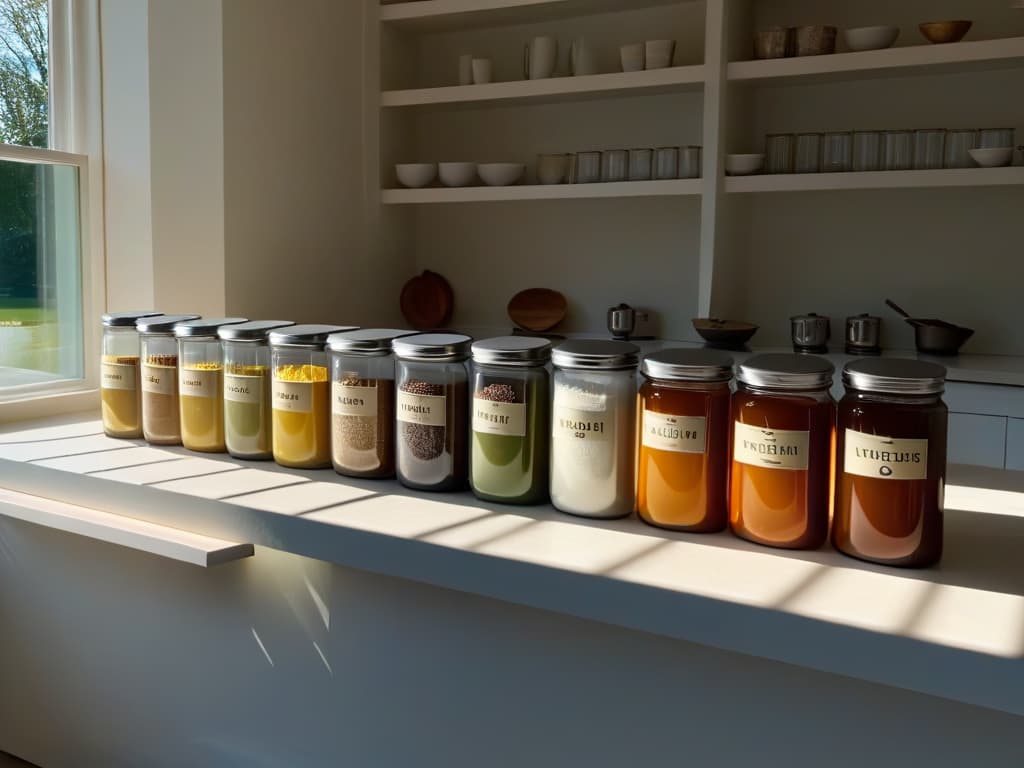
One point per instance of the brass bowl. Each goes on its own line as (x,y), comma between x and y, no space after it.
(945,31)
(727,334)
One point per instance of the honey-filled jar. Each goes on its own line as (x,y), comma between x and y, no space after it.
(891,462)
(120,390)
(300,395)
(684,440)
(783,423)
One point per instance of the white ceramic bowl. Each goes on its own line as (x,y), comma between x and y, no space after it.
(457,174)
(992,158)
(500,174)
(416,175)
(870,38)
(743,165)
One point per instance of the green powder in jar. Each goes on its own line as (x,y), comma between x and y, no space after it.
(247,410)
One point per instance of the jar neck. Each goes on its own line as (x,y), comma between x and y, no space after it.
(813,392)
(692,386)
(903,399)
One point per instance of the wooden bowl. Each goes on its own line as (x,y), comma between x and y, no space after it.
(427,301)
(724,333)
(945,31)
(537,309)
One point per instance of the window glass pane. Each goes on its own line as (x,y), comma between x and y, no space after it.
(24,72)
(40,274)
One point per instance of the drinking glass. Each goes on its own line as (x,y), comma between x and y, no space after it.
(929,149)
(666,162)
(588,167)
(778,150)
(898,150)
(808,153)
(640,164)
(867,151)
(837,152)
(996,138)
(690,162)
(959,142)
(614,163)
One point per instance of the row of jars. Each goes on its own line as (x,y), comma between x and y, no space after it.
(769,460)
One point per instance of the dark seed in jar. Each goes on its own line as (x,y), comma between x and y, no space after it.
(499,393)
(423,441)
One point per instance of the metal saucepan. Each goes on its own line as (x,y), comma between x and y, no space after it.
(935,337)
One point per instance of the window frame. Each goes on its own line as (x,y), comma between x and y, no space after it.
(76,139)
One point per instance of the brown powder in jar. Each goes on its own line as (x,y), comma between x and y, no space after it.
(161,420)
(364,445)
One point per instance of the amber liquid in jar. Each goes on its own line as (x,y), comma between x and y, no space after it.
(782,497)
(895,516)
(684,455)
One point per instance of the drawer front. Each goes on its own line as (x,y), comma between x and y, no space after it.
(1015,444)
(985,399)
(979,440)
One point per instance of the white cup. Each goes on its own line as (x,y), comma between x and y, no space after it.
(632,57)
(659,53)
(481,71)
(539,58)
(552,169)
(466,69)
(581,58)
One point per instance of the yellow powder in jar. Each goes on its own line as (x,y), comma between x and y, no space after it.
(301,416)
(119,396)
(201,400)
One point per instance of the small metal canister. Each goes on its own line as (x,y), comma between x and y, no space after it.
(863,335)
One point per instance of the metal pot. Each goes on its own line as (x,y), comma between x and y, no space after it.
(810,333)
(622,321)
(863,334)
(935,337)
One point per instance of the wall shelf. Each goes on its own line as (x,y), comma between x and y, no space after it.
(435,15)
(816,182)
(891,62)
(670,80)
(674,187)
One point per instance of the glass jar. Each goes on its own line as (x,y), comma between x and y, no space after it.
(684,440)
(897,150)
(363,402)
(120,404)
(996,138)
(431,399)
(867,151)
(300,395)
(247,413)
(593,428)
(807,153)
(779,151)
(201,383)
(837,152)
(929,149)
(511,414)
(891,462)
(161,419)
(959,143)
(783,423)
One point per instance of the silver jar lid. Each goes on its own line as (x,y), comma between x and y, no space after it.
(436,347)
(126,319)
(515,351)
(205,327)
(253,332)
(688,365)
(895,377)
(597,354)
(162,325)
(306,336)
(371,342)
(782,371)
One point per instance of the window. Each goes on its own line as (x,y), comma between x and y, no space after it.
(48,285)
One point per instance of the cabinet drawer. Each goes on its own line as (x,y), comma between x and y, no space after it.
(1015,444)
(985,399)
(977,440)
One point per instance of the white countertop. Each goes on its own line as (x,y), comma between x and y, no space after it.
(955,631)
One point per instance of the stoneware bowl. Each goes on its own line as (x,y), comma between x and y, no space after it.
(416,175)
(773,43)
(992,158)
(814,40)
(870,38)
(743,165)
(457,174)
(500,174)
(945,31)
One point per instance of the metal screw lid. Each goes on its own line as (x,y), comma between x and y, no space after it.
(596,354)
(205,327)
(366,341)
(254,331)
(162,325)
(688,365)
(306,336)
(437,347)
(126,319)
(782,371)
(894,376)
(516,351)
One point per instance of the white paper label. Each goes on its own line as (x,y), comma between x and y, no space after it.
(354,401)
(678,434)
(771,448)
(589,426)
(296,396)
(159,379)
(491,417)
(117,376)
(887,458)
(193,382)
(243,389)
(428,410)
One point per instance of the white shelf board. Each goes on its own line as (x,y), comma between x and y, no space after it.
(891,62)
(674,187)
(816,182)
(155,539)
(433,15)
(671,79)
